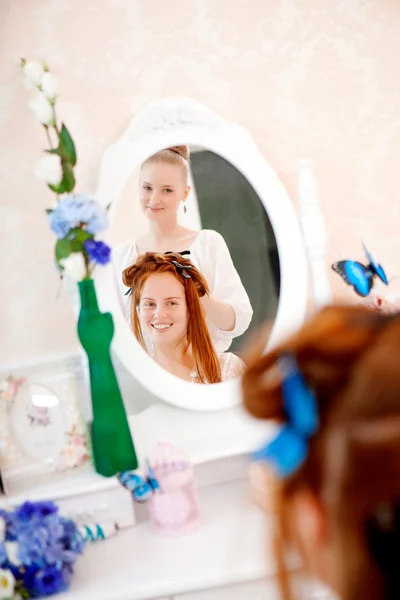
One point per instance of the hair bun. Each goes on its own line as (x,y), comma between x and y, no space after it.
(182,151)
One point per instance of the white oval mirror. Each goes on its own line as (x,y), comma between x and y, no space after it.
(234,193)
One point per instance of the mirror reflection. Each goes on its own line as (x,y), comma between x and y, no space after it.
(197,267)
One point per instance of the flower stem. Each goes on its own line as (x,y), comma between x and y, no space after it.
(48,136)
(87,265)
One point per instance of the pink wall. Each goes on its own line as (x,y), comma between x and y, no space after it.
(308,78)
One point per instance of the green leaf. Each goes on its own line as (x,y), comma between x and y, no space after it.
(67,146)
(77,238)
(63,249)
(57,151)
(58,189)
(68,182)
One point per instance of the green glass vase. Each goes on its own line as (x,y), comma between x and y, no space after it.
(113,449)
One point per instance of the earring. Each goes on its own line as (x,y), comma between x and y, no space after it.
(185,209)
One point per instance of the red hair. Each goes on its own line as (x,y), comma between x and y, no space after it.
(350,356)
(197,335)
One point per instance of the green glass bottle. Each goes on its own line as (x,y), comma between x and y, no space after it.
(113,449)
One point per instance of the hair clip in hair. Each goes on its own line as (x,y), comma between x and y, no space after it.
(128,292)
(289,448)
(182,269)
(184,253)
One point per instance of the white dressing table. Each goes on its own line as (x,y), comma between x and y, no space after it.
(228,558)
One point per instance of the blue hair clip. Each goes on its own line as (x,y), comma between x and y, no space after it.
(289,448)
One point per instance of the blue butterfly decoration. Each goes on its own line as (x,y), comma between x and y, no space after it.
(141,487)
(359,276)
(287,451)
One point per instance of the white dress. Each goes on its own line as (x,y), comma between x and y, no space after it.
(210,254)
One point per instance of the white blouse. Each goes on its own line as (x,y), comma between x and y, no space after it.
(210,254)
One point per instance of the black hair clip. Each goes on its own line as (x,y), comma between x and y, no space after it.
(182,269)
(184,253)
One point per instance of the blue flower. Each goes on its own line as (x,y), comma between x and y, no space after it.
(55,526)
(45,582)
(32,546)
(98,251)
(98,223)
(34,512)
(11,524)
(45,508)
(25,512)
(71,539)
(77,209)
(3,555)
(58,224)
(54,554)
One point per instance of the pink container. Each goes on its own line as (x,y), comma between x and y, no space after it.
(174,510)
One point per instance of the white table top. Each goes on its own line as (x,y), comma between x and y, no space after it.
(230,547)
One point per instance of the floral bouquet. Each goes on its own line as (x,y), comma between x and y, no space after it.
(38,548)
(75,219)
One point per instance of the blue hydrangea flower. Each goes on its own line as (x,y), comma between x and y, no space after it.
(11,524)
(77,209)
(58,224)
(44,582)
(46,547)
(54,525)
(71,539)
(3,555)
(54,554)
(32,546)
(98,251)
(97,224)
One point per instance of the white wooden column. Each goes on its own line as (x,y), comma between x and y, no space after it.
(314,234)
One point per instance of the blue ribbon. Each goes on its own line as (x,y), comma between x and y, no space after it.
(288,450)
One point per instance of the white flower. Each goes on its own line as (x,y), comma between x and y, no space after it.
(74,266)
(2,529)
(12,553)
(49,85)
(42,109)
(49,169)
(7,583)
(33,70)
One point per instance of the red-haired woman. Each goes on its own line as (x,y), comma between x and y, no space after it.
(168,318)
(332,472)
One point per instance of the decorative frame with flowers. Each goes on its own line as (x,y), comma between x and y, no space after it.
(18,469)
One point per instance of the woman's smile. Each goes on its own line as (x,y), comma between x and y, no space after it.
(161,327)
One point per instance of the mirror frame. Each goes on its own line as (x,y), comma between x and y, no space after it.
(171,122)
